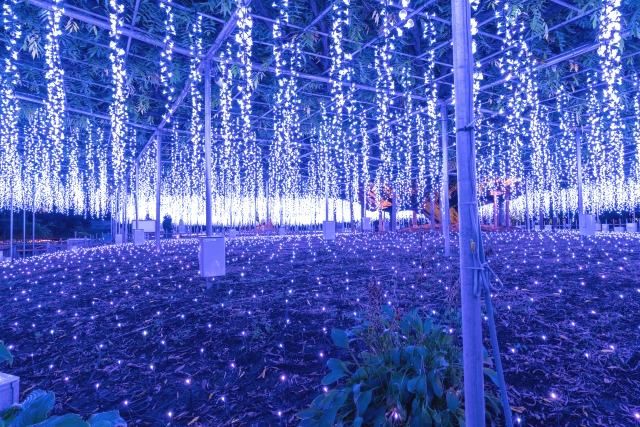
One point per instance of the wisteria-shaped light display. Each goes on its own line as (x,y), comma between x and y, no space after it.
(251,156)
(196,177)
(609,53)
(166,57)
(9,163)
(284,154)
(117,109)
(384,85)
(56,98)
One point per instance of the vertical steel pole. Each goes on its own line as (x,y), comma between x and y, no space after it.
(158,179)
(526,207)
(579,162)
(445,178)
(11,227)
(470,237)
(207,145)
(33,230)
(136,191)
(24,231)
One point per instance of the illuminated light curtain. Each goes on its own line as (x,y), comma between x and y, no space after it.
(384,86)
(635,165)
(609,53)
(103,170)
(31,168)
(166,56)
(565,150)
(9,109)
(75,190)
(117,110)
(284,153)
(229,160)
(196,176)
(430,114)
(595,174)
(251,156)
(339,74)
(365,143)
(405,143)
(56,98)
(351,177)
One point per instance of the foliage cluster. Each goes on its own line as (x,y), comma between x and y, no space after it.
(408,373)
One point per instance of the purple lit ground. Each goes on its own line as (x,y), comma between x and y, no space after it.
(129,329)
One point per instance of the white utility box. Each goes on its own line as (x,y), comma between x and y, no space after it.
(619,228)
(9,390)
(329,230)
(119,239)
(631,227)
(282,231)
(212,256)
(548,227)
(587,225)
(78,243)
(366,224)
(138,236)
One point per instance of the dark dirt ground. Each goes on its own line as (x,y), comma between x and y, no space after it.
(131,329)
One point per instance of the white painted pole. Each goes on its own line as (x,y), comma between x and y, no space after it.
(579,162)
(158,179)
(11,227)
(136,191)
(207,145)
(444,203)
(469,235)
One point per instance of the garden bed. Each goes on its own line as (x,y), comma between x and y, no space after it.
(130,329)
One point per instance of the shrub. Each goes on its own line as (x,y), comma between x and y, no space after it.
(409,373)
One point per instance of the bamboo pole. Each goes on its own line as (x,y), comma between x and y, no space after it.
(469,236)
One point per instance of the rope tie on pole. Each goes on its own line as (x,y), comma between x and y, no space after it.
(482,283)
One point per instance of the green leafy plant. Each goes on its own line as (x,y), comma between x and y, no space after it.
(35,409)
(408,372)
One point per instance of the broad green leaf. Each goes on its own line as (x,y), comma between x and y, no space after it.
(35,408)
(68,420)
(340,338)
(362,402)
(107,419)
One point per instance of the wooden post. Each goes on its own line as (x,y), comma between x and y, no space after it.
(158,179)
(469,235)
(207,145)
(444,202)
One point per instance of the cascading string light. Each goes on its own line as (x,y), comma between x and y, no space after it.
(56,97)
(196,176)
(117,109)
(166,57)
(609,53)
(432,172)
(384,86)
(251,156)
(9,157)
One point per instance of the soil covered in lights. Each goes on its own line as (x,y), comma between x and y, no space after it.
(128,328)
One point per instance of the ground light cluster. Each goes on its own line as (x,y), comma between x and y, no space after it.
(129,328)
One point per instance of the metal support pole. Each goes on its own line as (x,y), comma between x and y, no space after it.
(11,227)
(526,207)
(158,179)
(207,145)
(24,231)
(135,202)
(33,230)
(469,237)
(445,178)
(579,162)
